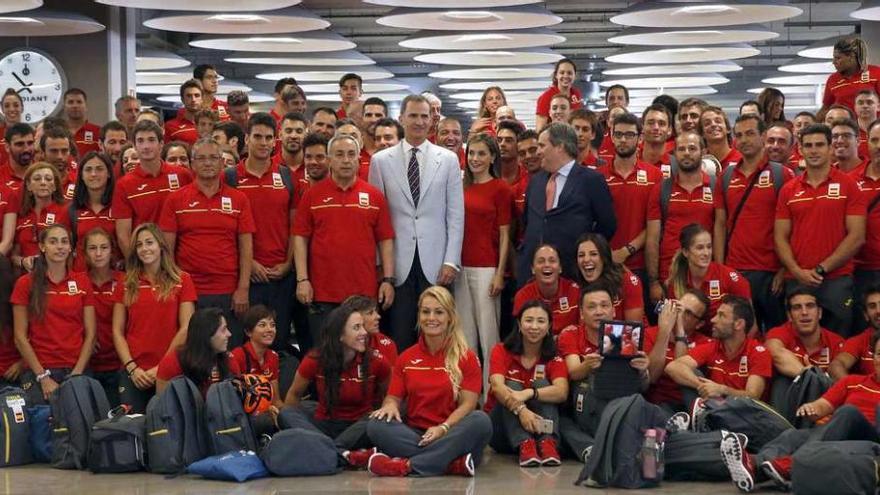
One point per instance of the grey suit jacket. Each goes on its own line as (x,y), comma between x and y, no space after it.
(436,226)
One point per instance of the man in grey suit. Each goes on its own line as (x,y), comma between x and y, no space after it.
(422,184)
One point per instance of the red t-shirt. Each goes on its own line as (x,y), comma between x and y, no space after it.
(268,194)
(830,344)
(751,246)
(574,340)
(221,107)
(105,357)
(355,399)
(592,161)
(140,196)
(509,365)
(519,192)
(181,129)
(269,368)
(864,154)
(731,159)
(607,151)
(543,105)
(861,391)
(684,209)
(10,202)
(57,339)
(10,178)
(344,228)
(843,90)
(486,209)
(720,280)
(364,165)
(87,220)
(170,367)
(665,390)
(28,227)
(421,379)
(818,217)
(151,324)
(384,346)
(630,197)
(630,295)
(564,303)
(751,359)
(859,347)
(208,229)
(868,257)
(86,139)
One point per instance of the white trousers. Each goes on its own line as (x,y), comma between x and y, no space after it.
(479,313)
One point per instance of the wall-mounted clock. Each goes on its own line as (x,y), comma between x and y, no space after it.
(37,77)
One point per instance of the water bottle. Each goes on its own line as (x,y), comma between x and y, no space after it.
(650,452)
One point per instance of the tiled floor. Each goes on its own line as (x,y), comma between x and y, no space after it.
(498,475)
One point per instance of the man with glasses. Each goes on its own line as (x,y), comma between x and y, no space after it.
(845,145)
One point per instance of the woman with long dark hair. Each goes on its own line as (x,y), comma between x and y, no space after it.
(853,74)
(528,380)
(90,207)
(595,262)
(350,380)
(98,248)
(204,357)
(492,99)
(548,285)
(771,102)
(369,311)
(42,205)
(564,76)
(54,317)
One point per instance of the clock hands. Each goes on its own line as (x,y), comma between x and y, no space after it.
(26,71)
(25,87)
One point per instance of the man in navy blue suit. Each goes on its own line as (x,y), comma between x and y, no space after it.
(563,201)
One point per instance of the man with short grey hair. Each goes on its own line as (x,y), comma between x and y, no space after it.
(126,110)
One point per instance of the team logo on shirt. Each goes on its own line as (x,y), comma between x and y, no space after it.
(760,348)
(764,179)
(173,181)
(226,204)
(563,303)
(70,188)
(834,190)
(539,372)
(642,177)
(634,279)
(72,288)
(89,136)
(825,356)
(714,288)
(50,218)
(707,193)
(734,276)
(666,170)
(363,200)
(744,364)
(276,180)
(416,361)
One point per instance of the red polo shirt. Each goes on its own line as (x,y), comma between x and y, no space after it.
(57,339)
(344,228)
(751,246)
(564,303)
(170,367)
(151,323)
(421,378)
(86,139)
(720,280)
(207,232)
(684,209)
(818,217)
(246,354)
(830,344)
(10,202)
(518,188)
(868,257)
(665,390)
(592,161)
(574,340)
(300,176)
(665,158)
(386,347)
(630,197)
(486,209)
(221,107)
(505,363)
(731,159)
(268,194)
(862,391)
(364,165)
(9,178)
(105,357)
(843,90)
(859,347)
(355,399)
(87,220)
(28,227)
(140,196)
(181,129)
(864,153)
(751,359)
(607,151)
(543,104)
(630,295)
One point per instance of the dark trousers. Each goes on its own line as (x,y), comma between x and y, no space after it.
(507,318)
(224,302)
(836,298)
(276,295)
(405,307)
(508,433)
(33,391)
(650,314)
(769,308)
(129,394)
(318,311)
(470,435)
(346,435)
(110,383)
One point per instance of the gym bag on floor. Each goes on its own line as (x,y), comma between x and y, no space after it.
(15,448)
(77,405)
(229,426)
(756,419)
(175,428)
(117,444)
(842,468)
(300,452)
(231,466)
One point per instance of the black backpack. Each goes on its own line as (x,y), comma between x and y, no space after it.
(117,444)
(842,468)
(756,419)
(810,385)
(77,405)
(175,428)
(229,426)
(617,456)
(15,428)
(692,456)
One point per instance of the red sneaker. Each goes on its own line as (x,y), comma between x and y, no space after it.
(549,454)
(359,458)
(738,461)
(382,465)
(462,466)
(528,454)
(779,470)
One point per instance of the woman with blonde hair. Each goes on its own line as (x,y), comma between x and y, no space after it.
(493,98)
(42,205)
(440,380)
(151,312)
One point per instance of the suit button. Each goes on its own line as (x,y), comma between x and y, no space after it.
(417,218)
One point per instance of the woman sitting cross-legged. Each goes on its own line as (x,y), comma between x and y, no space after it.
(528,380)
(350,380)
(440,380)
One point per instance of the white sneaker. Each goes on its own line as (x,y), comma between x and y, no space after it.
(738,461)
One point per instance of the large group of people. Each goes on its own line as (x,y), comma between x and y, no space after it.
(423,271)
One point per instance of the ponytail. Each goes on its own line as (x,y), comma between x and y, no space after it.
(37,298)
(678,275)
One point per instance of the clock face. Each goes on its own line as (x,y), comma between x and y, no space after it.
(38,79)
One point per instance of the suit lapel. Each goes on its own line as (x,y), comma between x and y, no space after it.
(569,185)
(431,170)
(400,174)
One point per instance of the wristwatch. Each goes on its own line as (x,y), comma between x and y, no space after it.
(682,339)
(390,280)
(42,376)
(820,270)
(631,249)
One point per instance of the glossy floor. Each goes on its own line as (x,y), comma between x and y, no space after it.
(498,475)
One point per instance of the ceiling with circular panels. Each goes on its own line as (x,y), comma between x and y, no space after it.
(203,5)
(451,4)
(869,11)
(290,20)
(347,58)
(808,66)
(496,40)
(528,16)
(490,58)
(659,70)
(693,36)
(16,5)
(253,98)
(795,80)
(823,48)
(45,22)
(668,81)
(382,86)
(674,55)
(316,41)
(510,95)
(174,89)
(149,59)
(688,14)
(508,84)
(494,73)
(370,74)
(684,92)
(787,90)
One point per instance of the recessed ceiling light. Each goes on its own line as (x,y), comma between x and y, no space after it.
(238,18)
(527,16)
(672,14)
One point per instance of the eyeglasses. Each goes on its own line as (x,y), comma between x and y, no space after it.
(624,135)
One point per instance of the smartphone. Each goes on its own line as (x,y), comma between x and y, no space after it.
(545,426)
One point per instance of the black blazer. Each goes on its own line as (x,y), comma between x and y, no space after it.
(584,206)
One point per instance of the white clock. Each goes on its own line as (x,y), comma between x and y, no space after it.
(39,80)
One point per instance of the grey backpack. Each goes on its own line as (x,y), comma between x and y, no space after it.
(842,468)
(229,426)
(77,405)
(175,428)
(14,428)
(301,452)
(117,444)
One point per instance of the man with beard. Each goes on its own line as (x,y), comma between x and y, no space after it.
(76,111)
(689,112)
(239,108)
(20,147)
(386,133)
(183,127)
(315,160)
(867,177)
(323,122)
(857,356)
(527,149)
(616,96)
(280,108)
(691,189)
(745,203)
(58,149)
(820,227)
(449,136)
(114,136)
(630,181)
(715,129)
(584,123)
(867,105)
(845,145)
(375,109)
(294,128)
(802,342)
(779,146)
(126,110)
(512,171)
